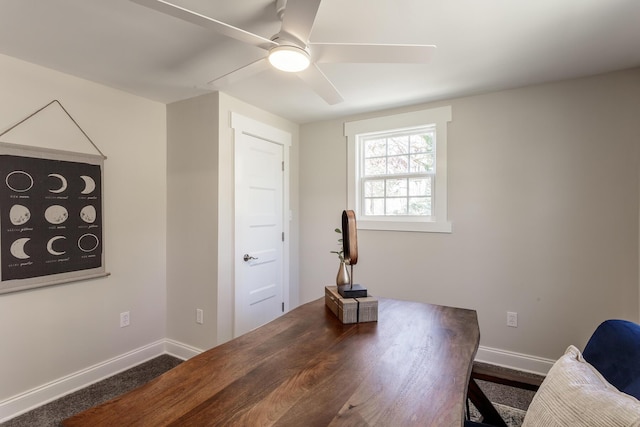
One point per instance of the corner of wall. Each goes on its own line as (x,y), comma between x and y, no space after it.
(192,217)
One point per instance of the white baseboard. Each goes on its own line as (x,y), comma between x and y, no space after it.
(519,361)
(180,350)
(24,402)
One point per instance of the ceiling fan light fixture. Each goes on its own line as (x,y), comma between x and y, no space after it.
(289,58)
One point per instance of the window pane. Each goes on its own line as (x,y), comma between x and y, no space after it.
(396,206)
(398,164)
(374,188)
(398,145)
(374,206)
(422,162)
(420,186)
(376,166)
(396,187)
(418,144)
(420,206)
(398,172)
(375,147)
(431,141)
(422,143)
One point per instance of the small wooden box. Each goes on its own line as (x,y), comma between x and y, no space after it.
(367,309)
(345,309)
(351,310)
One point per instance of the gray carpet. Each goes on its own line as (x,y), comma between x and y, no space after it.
(512,417)
(510,402)
(507,396)
(51,414)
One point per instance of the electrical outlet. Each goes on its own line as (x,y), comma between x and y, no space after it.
(124,319)
(199,316)
(512,319)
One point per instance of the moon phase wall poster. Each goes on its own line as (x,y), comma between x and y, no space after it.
(51,221)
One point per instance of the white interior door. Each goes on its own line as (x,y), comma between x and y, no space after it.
(259,215)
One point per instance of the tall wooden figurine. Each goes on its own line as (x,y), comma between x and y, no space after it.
(350,248)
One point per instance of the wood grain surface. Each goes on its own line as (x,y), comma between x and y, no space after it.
(350,237)
(306,368)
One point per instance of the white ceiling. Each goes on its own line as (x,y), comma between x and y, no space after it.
(483,45)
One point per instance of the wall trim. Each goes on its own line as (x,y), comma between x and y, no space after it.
(38,396)
(180,350)
(510,359)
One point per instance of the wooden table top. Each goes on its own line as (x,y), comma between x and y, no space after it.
(307,368)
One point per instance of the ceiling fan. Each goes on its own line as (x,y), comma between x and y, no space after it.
(290,49)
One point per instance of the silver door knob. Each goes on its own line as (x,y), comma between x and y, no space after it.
(247,257)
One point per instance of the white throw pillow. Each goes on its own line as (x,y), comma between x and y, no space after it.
(575,394)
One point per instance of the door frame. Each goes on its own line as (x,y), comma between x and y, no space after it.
(247,126)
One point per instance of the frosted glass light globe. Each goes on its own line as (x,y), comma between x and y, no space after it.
(289,58)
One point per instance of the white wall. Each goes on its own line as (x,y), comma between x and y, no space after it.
(192,227)
(49,333)
(200,227)
(543,197)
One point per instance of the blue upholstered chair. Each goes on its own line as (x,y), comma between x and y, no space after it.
(614,350)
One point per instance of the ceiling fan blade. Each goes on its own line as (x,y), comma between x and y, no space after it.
(240,74)
(316,79)
(206,22)
(372,53)
(298,18)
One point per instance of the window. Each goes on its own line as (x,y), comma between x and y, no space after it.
(397,171)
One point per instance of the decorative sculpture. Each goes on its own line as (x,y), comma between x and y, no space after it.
(350,247)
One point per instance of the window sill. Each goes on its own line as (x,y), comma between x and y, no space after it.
(420,227)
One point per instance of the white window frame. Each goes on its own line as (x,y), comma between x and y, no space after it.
(438,222)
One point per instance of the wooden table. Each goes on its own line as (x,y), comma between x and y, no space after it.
(308,369)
